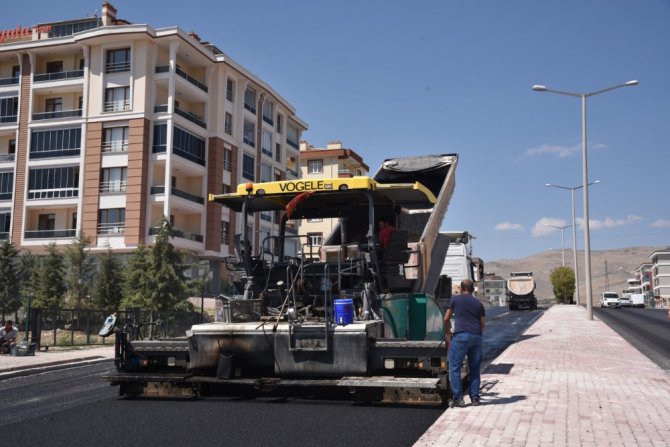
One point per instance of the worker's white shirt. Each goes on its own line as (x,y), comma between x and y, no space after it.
(6,335)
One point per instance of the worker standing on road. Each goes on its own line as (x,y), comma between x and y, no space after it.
(385,230)
(469,316)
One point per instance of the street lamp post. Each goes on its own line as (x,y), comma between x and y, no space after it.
(585,182)
(562,228)
(574,231)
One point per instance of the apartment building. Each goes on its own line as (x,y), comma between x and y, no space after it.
(661,275)
(333,161)
(107,126)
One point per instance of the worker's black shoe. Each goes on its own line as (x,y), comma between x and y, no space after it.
(475,402)
(457,403)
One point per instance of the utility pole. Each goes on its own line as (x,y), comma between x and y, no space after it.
(607,277)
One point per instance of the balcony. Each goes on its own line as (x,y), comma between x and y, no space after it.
(191,79)
(115,146)
(179,233)
(5,196)
(56,115)
(9,81)
(49,234)
(112,228)
(163,108)
(7,158)
(117,67)
(162,68)
(55,193)
(114,186)
(57,76)
(55,153)
(8,119)
(156,190)
(117,106)
(192,117)
(293,144)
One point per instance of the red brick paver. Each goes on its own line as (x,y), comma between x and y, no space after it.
(568,382)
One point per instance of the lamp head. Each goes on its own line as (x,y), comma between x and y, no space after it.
(540,88)
(633,82)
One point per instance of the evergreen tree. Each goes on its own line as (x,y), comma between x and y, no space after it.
(170,287)
(10,301)
(136,279)
(563,282)
(108,286)
(79,270)
(51,289)
(29,274)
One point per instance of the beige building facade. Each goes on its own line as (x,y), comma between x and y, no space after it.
(107,126)
(333,161)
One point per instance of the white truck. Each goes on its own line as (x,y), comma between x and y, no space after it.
(521,291)
(459,264)
(636,300)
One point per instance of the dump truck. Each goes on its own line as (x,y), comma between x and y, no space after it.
(521,291)
(345,315)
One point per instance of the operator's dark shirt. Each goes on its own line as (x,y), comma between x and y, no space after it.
(468,311)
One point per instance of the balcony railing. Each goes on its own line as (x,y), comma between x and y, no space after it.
(49,234)
(7,158)
(267,152)
(157,190)
(56,115)
(55,193)
(115,146)
(250,107)
(178,233)
(292,172)
(192,117)
(112,228)
(8,119)
(5,196)
(293,144)
(113,186)
(162,68)
(57,76)
(55,153)
(184,153)
(117,106)
(161,108)
(159,148)
(9,81)
(191,79)
(4,235)
(117,67)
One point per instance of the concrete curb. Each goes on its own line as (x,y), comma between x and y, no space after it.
(22,371)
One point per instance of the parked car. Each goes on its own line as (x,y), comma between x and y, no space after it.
(625,300)
(610,299)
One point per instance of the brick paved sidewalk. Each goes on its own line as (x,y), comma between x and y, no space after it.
(568,381)
(11,366)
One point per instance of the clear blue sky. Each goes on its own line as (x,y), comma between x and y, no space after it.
(392,78)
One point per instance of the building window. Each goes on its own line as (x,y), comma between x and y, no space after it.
(5,222)
(249,133)
(266,146)
(55,67)
(55,143)
(118,61)
(293,137)
(228,123)
(46,222)
(227,159)
(225,189)
(225,232)
(314,166)
(9,108)
(117,99)
(315,239)
(114,180)
(278,152)
(11,147)
(16,71)
(250,99)
(230,90)
(279,120)
(115,139)
(6,185)
(160,138)
(54,105)
(248,166)
(266,173)
(112,221)
(188,146)
(268,112)
(50,183)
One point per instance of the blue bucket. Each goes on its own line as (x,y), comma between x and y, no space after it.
(344,311)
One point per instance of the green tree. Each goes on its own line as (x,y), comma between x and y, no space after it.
(170,287)
(108,285)
(10,301)
(51,289)
(79,270)
(563,282)
(29,274)
(136,279)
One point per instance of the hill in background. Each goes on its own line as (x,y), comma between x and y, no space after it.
(621,264)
